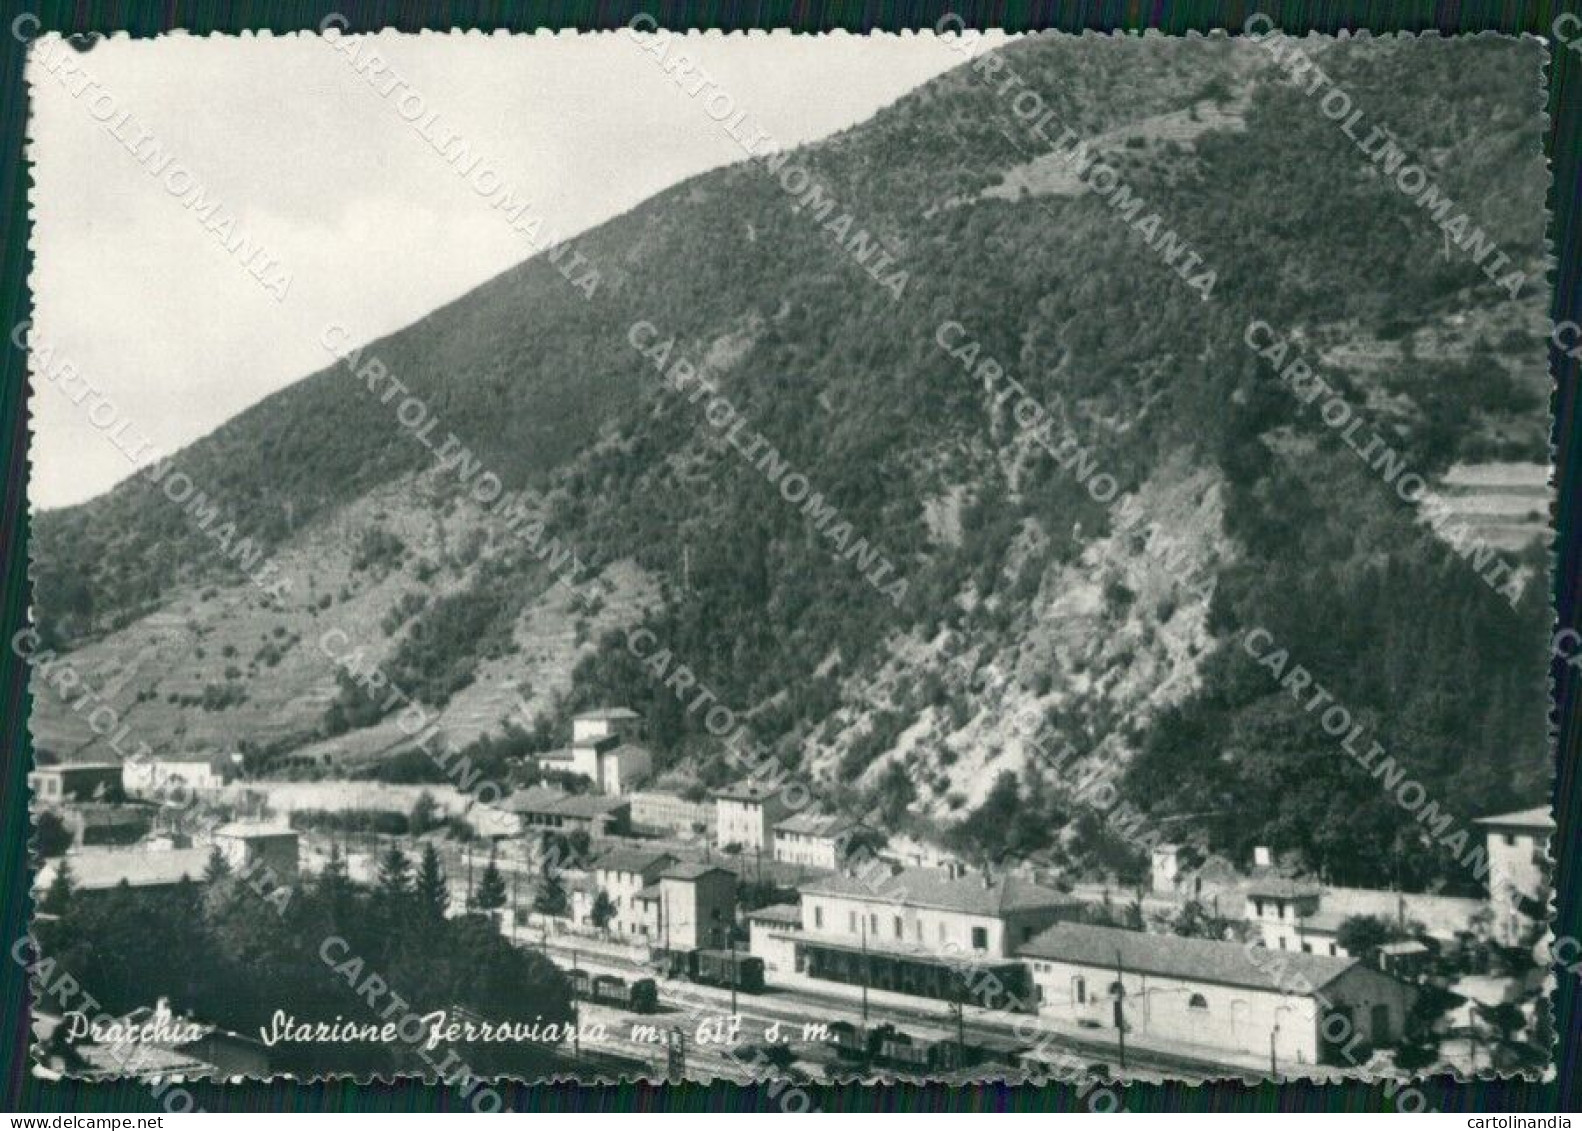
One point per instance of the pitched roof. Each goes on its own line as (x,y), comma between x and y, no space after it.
(614,713)
(1193,960)
(691,870)
(70,767)
(1282,887)
(246,830)
(933,887)
(778,913)
(632,860)
(540,799)
(95,871)
(1538,818)
(815,824)
(746,790)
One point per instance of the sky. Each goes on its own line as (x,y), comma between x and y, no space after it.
(369,223)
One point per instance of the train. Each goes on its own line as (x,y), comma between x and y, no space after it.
(888,1047)
(722,968)
(640,996)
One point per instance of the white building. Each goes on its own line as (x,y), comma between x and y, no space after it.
(605,749)
(771,936)
(814,841)
(1518,846)
(915,931)
(176,773)
(623,875)
(746,814)
(1227,996)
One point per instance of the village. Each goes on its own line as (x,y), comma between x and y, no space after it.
(812,942)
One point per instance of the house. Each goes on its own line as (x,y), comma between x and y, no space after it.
(1233,997)
(694,906)
(746,814)
(539,810)
(667,813)
(816,841)
(75,781)
(197,773)
(915,931)
(622,875)
(1317,929)
(1518,847)
(1277,906)
(606,749)
(249,847)
(771,935)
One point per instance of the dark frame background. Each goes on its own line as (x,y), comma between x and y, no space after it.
(19,1090)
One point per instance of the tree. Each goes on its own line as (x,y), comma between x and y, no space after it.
(218,868)
(53,837)
(432,890)
(57,897)
(490,895)
(1195,921)
(602,912)
(394,882)
(1363,935)
(425,814)
(335,888)
(550,898)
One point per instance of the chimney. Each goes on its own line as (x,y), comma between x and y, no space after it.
(1261,857)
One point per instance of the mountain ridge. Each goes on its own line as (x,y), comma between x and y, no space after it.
(1006,556)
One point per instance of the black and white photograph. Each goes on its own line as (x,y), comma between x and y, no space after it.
(648,555)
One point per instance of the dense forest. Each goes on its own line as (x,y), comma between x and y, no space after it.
(850,386)
(235,950)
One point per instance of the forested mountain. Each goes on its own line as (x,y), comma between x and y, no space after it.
(1018,594)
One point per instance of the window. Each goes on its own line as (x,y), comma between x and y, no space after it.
(941,932)
(900,928)
(918,924)
(1282,942)
(980,938)
(1197,1001)
(851,922)
(1307,948)
(1257,907)
(873,924)
(1510,840)
(1333,949)
(818,917)
(1079,990)
(1115,989)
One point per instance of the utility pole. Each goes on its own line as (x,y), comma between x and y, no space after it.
(1120,1006)
(961,1023)
(576,1015)
(865,973)
(731,935)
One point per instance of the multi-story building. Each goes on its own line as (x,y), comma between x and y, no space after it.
(746,814)
(79,781)
(815,841)
(622,875)
(918,930)
(1226,996)
(692,906)
(1518,846)
(606,749)
(669,813)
